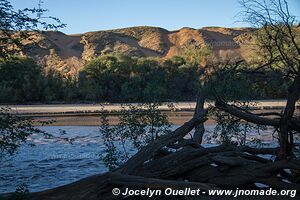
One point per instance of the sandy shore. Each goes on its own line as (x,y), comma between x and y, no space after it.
(96,108)
(176,118)
(88,114)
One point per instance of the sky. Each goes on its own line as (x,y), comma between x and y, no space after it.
(93,15)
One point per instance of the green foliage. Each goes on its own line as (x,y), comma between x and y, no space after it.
(138,125)
(230,129)
(197,55)
(125,79)
(279,42)
(239,83)
(175,61)
(278,38)
(111,156)
(233,84)
(20,80)
(28,19)
(119,78)
(101,77)
(53,86)
(14,131)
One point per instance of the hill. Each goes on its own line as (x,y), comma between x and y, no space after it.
(68,53)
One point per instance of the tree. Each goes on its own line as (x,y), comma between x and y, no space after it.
(197,55)
(172,161)
(14,130)
(278,38)
(20,80)
(53,86)
(139,125)
(102,77)
(120,78)
(245,168)
(17,24)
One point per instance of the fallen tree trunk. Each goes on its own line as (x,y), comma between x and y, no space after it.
(220,167)
(272,151)
(253,118)
(101,186)
(178,162)
(199,128)
(150,150)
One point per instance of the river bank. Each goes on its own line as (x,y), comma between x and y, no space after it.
(88,114)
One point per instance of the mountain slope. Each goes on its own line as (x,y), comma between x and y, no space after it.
(67,53)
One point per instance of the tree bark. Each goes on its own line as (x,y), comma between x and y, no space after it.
(286,123)
(152,148)
(284,129)
(199,129)
(247,116)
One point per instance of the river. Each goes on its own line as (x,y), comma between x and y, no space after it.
(55,162)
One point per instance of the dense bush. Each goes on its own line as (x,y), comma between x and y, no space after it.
(119,78)
(20,80)
(125,79)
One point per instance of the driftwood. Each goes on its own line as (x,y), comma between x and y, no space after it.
(224,166)
(220,167)
(151,149)
(188,165)
(254,118)
(101,186)
(159,166)
(199,128)
(252,150)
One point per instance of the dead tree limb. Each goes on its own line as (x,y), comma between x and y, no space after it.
(199,128)
(285,120)
(272,151)
(247,116)
(253,118)
(100,187)
(152,148)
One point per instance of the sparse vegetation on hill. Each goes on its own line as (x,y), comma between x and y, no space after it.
(135,64)
(74,50)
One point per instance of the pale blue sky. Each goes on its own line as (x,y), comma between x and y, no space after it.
(91,15)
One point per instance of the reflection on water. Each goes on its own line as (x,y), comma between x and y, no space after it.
(55,162)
